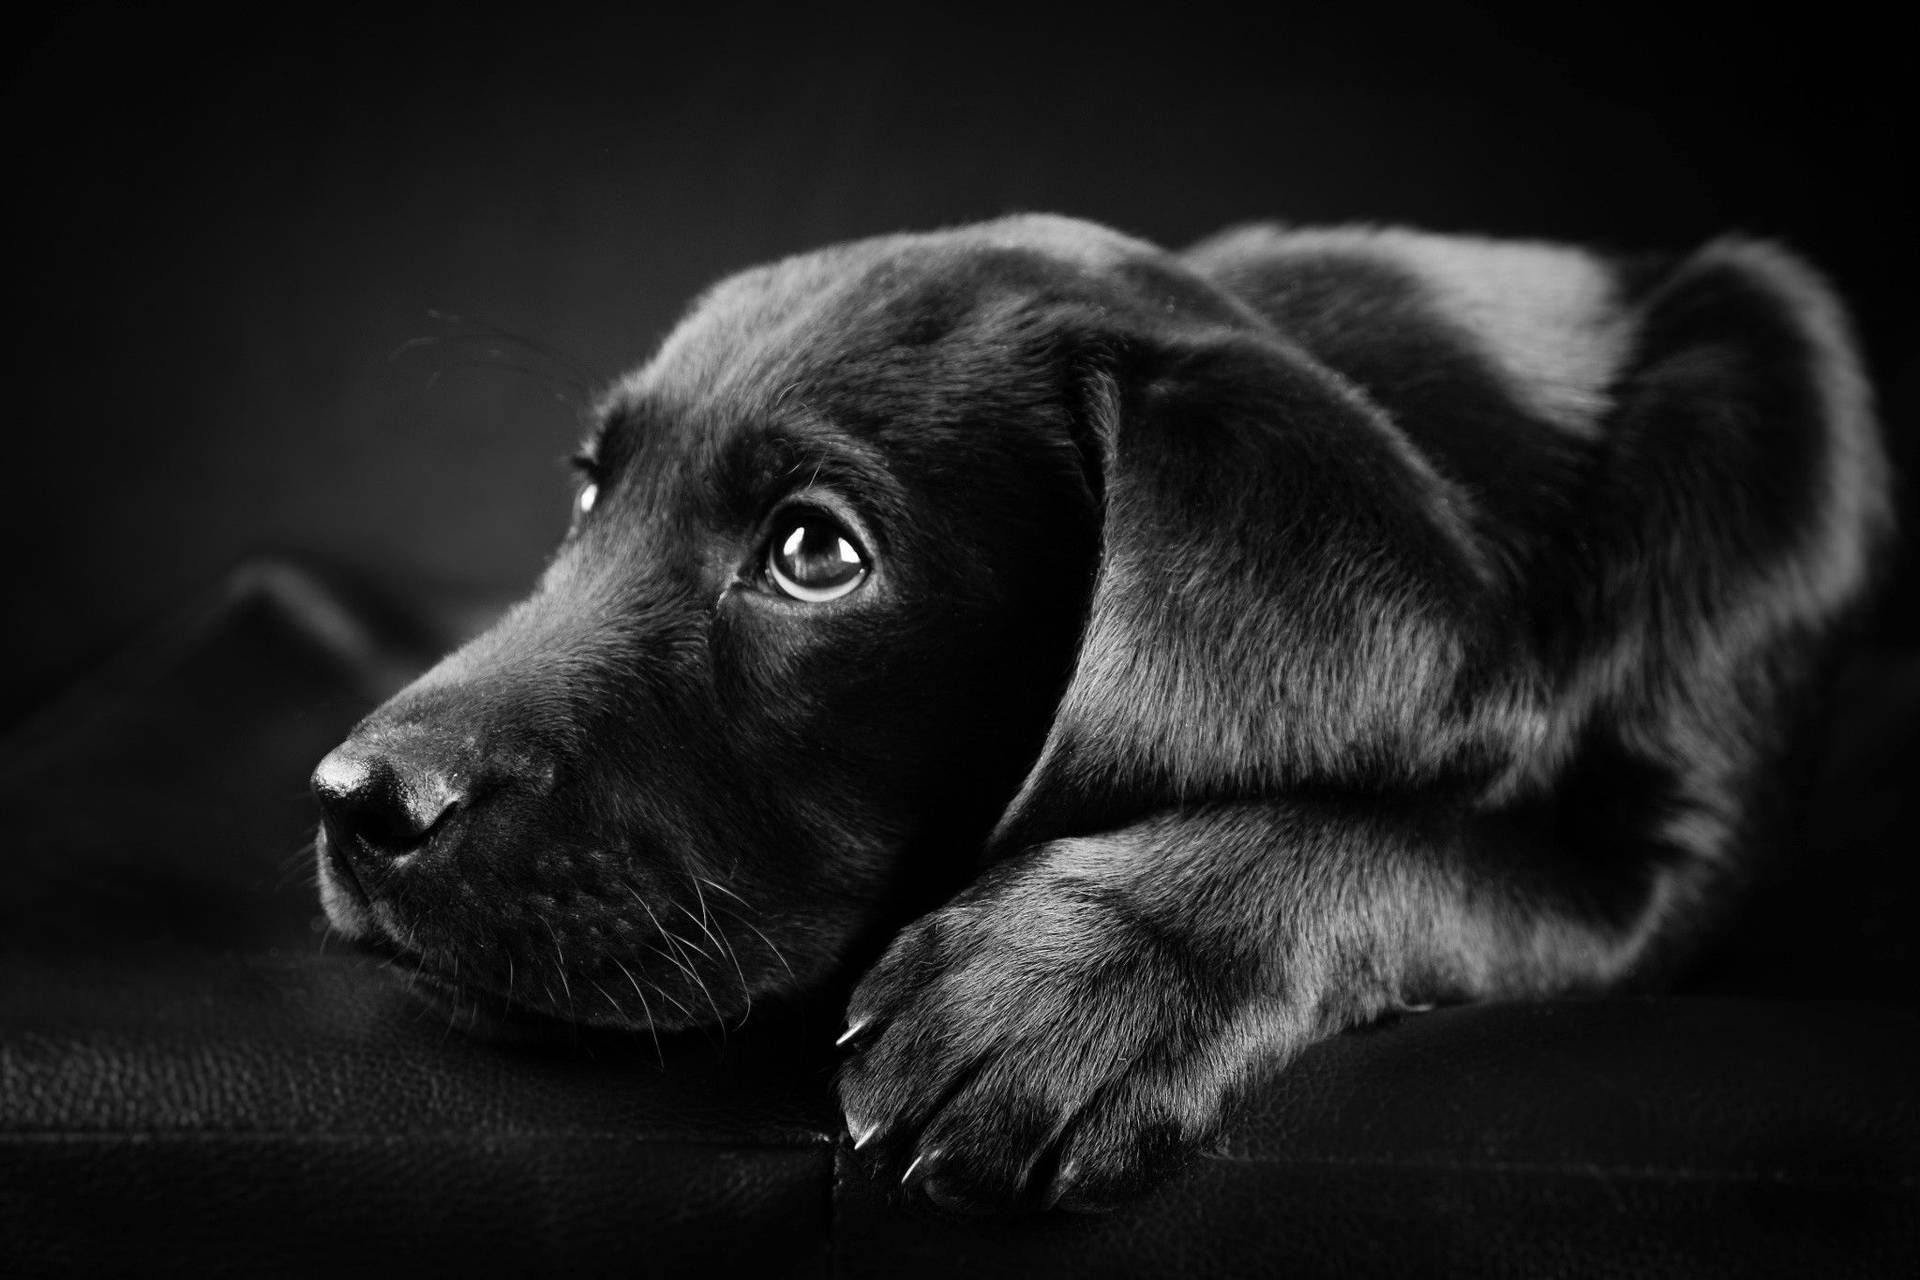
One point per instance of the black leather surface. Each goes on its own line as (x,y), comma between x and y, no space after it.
(1624,1138)
(191,1081)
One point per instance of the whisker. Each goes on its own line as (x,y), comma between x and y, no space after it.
(692,946)
(588,377)
(301,859)
(560,391)
(669,997)
(561,973)
(646,1005)
(701,982)
(414,344)
(670,958)
(453,1003)
(678,962)
(676,942)
(561,956)
(702,926)
(769,945)
(671,940)
(706,916)
(567,380)
(719,940)
(720,888)
(764,939)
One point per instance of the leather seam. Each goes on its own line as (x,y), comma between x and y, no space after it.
(1577,1168)
(30,1136)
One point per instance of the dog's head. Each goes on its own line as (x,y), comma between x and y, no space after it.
(833,553)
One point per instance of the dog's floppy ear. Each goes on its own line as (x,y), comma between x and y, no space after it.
(1286,594)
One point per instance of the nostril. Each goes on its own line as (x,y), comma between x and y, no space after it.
(388,802)
(406,808)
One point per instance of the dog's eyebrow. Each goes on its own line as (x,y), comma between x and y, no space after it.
(759,466)
(759,460)
(608,441)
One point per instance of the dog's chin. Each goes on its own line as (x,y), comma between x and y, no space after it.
(479,1014)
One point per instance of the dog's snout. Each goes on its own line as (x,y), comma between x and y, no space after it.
(385,799)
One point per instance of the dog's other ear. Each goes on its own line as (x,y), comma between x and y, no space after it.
(1287,595)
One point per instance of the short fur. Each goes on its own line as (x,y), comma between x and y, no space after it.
(1259,639)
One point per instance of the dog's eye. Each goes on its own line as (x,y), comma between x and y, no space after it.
(813,559)
(584,503)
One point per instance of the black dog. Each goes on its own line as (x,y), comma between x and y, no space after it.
(1242,644)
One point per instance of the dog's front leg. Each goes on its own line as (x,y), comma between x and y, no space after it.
(1073,1026)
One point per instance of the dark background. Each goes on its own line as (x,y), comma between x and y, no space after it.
(228,232)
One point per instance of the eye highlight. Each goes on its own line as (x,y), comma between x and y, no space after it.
(813,559)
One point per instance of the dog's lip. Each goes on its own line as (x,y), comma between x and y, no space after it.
(344,899)
(341,868)
(429,977)
(373,928)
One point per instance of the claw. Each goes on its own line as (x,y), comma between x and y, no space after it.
(908,1175)
(851,1032)
(862,1137)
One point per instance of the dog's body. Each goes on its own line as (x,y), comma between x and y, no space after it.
(1243,644)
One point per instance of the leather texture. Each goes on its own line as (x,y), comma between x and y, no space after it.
(193,1079)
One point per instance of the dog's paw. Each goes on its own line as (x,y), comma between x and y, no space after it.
(1042,1041)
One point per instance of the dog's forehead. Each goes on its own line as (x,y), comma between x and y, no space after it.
(751,337)
(893,344)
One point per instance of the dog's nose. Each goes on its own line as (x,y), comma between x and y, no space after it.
(385,800)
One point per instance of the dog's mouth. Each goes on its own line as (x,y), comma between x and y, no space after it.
(373,926)
(477,1010)
(485,996)
(357,913)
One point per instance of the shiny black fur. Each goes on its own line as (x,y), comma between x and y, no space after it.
(1259,640)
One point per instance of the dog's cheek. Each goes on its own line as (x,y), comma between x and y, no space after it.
(736,848)
(833,727)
